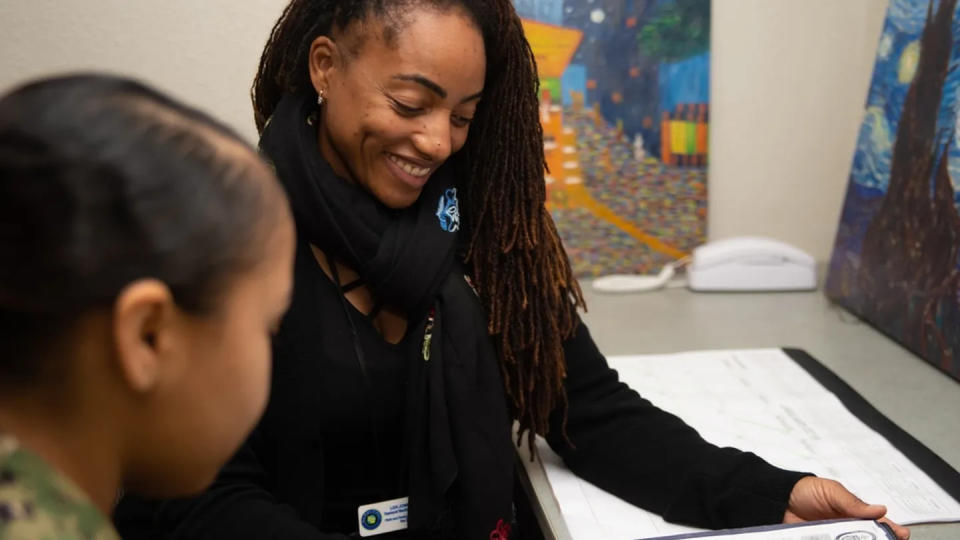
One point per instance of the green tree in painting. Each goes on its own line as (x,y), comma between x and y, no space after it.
(678,29)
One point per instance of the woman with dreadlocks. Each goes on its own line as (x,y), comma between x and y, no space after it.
(433,305)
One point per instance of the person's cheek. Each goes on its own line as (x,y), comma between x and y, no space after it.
(459,140)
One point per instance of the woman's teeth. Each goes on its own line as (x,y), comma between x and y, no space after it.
(412,170)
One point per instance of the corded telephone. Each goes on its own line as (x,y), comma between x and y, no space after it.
(746,263)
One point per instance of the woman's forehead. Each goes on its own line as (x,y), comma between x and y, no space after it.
(407,24)
(434,45)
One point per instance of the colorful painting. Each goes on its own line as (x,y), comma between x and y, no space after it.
(895,259)
(625,113)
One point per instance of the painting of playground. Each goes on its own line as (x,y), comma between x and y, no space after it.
(895,260)
(624,104)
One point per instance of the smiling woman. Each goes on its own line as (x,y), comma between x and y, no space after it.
(434,305)
(410,123)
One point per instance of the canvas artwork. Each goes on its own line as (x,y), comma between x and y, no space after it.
(895,259)
(625,114)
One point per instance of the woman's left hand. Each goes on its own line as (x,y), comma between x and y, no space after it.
(816,498)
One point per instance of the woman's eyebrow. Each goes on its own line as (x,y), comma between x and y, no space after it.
(433,87)
(472,97)
(425,82)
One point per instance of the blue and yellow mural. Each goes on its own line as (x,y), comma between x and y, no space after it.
(895,261)
(625,112)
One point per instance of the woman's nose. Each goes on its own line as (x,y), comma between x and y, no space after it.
(434,139)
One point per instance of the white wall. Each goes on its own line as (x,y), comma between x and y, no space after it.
(789,82)
(202,51)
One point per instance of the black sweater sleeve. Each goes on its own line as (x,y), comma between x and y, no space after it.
(627,446)
(238,506)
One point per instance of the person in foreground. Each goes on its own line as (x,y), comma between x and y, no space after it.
(434,305)
(145,255)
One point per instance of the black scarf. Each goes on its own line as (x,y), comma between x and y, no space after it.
(459,453)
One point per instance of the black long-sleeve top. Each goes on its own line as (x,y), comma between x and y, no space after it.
(316,454)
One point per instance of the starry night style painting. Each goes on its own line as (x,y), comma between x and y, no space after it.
(895,259)
(624,88)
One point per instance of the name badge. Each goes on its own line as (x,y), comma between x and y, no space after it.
(383,517)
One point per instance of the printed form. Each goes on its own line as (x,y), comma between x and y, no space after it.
(759,400)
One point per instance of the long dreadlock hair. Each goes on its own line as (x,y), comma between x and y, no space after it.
(514,254)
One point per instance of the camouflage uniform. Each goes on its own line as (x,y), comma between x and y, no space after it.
(38,503)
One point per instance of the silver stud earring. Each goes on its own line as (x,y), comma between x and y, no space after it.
(320,98)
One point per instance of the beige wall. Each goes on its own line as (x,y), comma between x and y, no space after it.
(789,82)
(203,51)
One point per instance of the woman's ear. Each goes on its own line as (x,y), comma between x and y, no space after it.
(143,323)
(322,61)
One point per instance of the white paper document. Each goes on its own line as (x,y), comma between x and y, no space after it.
(758,400)
(833,530)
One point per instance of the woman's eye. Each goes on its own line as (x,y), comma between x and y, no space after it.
(461,121)
(406,110)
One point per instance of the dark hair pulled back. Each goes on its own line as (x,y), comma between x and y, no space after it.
(104,181)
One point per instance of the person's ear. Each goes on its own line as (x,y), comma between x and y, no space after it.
(143,322)
(322,62)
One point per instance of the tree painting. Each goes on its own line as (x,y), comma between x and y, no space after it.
(895,262)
